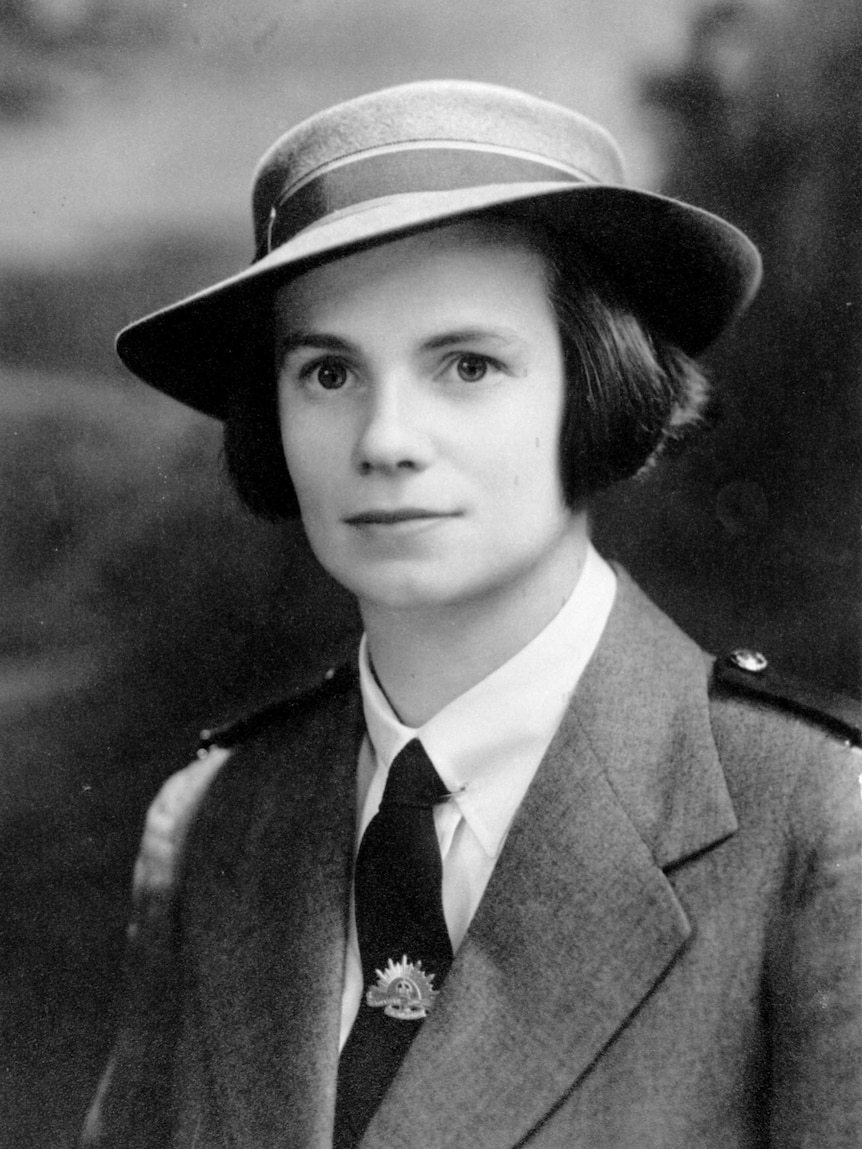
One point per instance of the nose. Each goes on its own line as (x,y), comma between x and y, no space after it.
(393,436)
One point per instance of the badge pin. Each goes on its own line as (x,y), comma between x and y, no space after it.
(403,990)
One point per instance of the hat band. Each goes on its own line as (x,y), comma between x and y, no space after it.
(401,171)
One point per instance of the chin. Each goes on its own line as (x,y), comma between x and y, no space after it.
(399,591)
(394,597)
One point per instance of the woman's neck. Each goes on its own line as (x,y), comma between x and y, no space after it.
(425,658)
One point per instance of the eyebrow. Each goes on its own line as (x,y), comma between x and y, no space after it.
(325,341)
(471,335)
(318,339)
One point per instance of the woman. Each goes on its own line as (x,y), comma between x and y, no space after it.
(528,871)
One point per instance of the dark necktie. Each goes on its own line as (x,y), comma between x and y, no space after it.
(403,940)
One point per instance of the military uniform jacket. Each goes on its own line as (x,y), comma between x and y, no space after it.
(667,955)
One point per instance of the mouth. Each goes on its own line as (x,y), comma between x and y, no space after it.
(404,515)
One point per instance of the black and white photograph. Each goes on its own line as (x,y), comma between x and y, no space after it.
(431,681)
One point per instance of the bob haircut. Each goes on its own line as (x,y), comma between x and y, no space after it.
(630,392)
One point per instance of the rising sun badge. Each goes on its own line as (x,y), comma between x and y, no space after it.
(403,990)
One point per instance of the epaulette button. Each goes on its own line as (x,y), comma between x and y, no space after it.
(751,660)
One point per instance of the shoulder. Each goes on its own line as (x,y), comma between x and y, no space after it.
(791,752)
(171,814)
(744,682)
(335,682)
(167,822)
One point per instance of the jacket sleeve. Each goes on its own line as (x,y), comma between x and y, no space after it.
(133,1104)
(815,974)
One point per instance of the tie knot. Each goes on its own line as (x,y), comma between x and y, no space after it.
(412,780)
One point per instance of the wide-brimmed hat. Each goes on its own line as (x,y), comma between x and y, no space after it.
(414,156)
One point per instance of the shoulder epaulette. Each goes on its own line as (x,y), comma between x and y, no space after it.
(748,672)
(334,681)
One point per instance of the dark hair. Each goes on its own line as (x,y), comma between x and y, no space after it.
(630,392)
(253,452)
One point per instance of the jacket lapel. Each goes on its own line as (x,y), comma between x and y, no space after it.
(281,906)
(578,922)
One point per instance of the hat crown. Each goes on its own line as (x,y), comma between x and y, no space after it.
(460,117)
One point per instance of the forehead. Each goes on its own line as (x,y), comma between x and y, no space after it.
(480,259)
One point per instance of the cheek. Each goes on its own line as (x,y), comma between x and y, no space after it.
(312,457)
(299,457)
(527,452)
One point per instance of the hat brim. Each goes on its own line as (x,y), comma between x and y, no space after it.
(685,271)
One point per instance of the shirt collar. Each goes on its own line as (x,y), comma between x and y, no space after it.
(487,744)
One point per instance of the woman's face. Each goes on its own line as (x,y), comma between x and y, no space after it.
(421,396)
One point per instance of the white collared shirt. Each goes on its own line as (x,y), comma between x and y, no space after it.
(486,745)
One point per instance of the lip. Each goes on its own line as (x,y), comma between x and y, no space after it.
(402,515)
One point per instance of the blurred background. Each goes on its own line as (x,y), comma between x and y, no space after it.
(138,603)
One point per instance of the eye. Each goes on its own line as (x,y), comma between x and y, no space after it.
(471,368)
(330,374)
